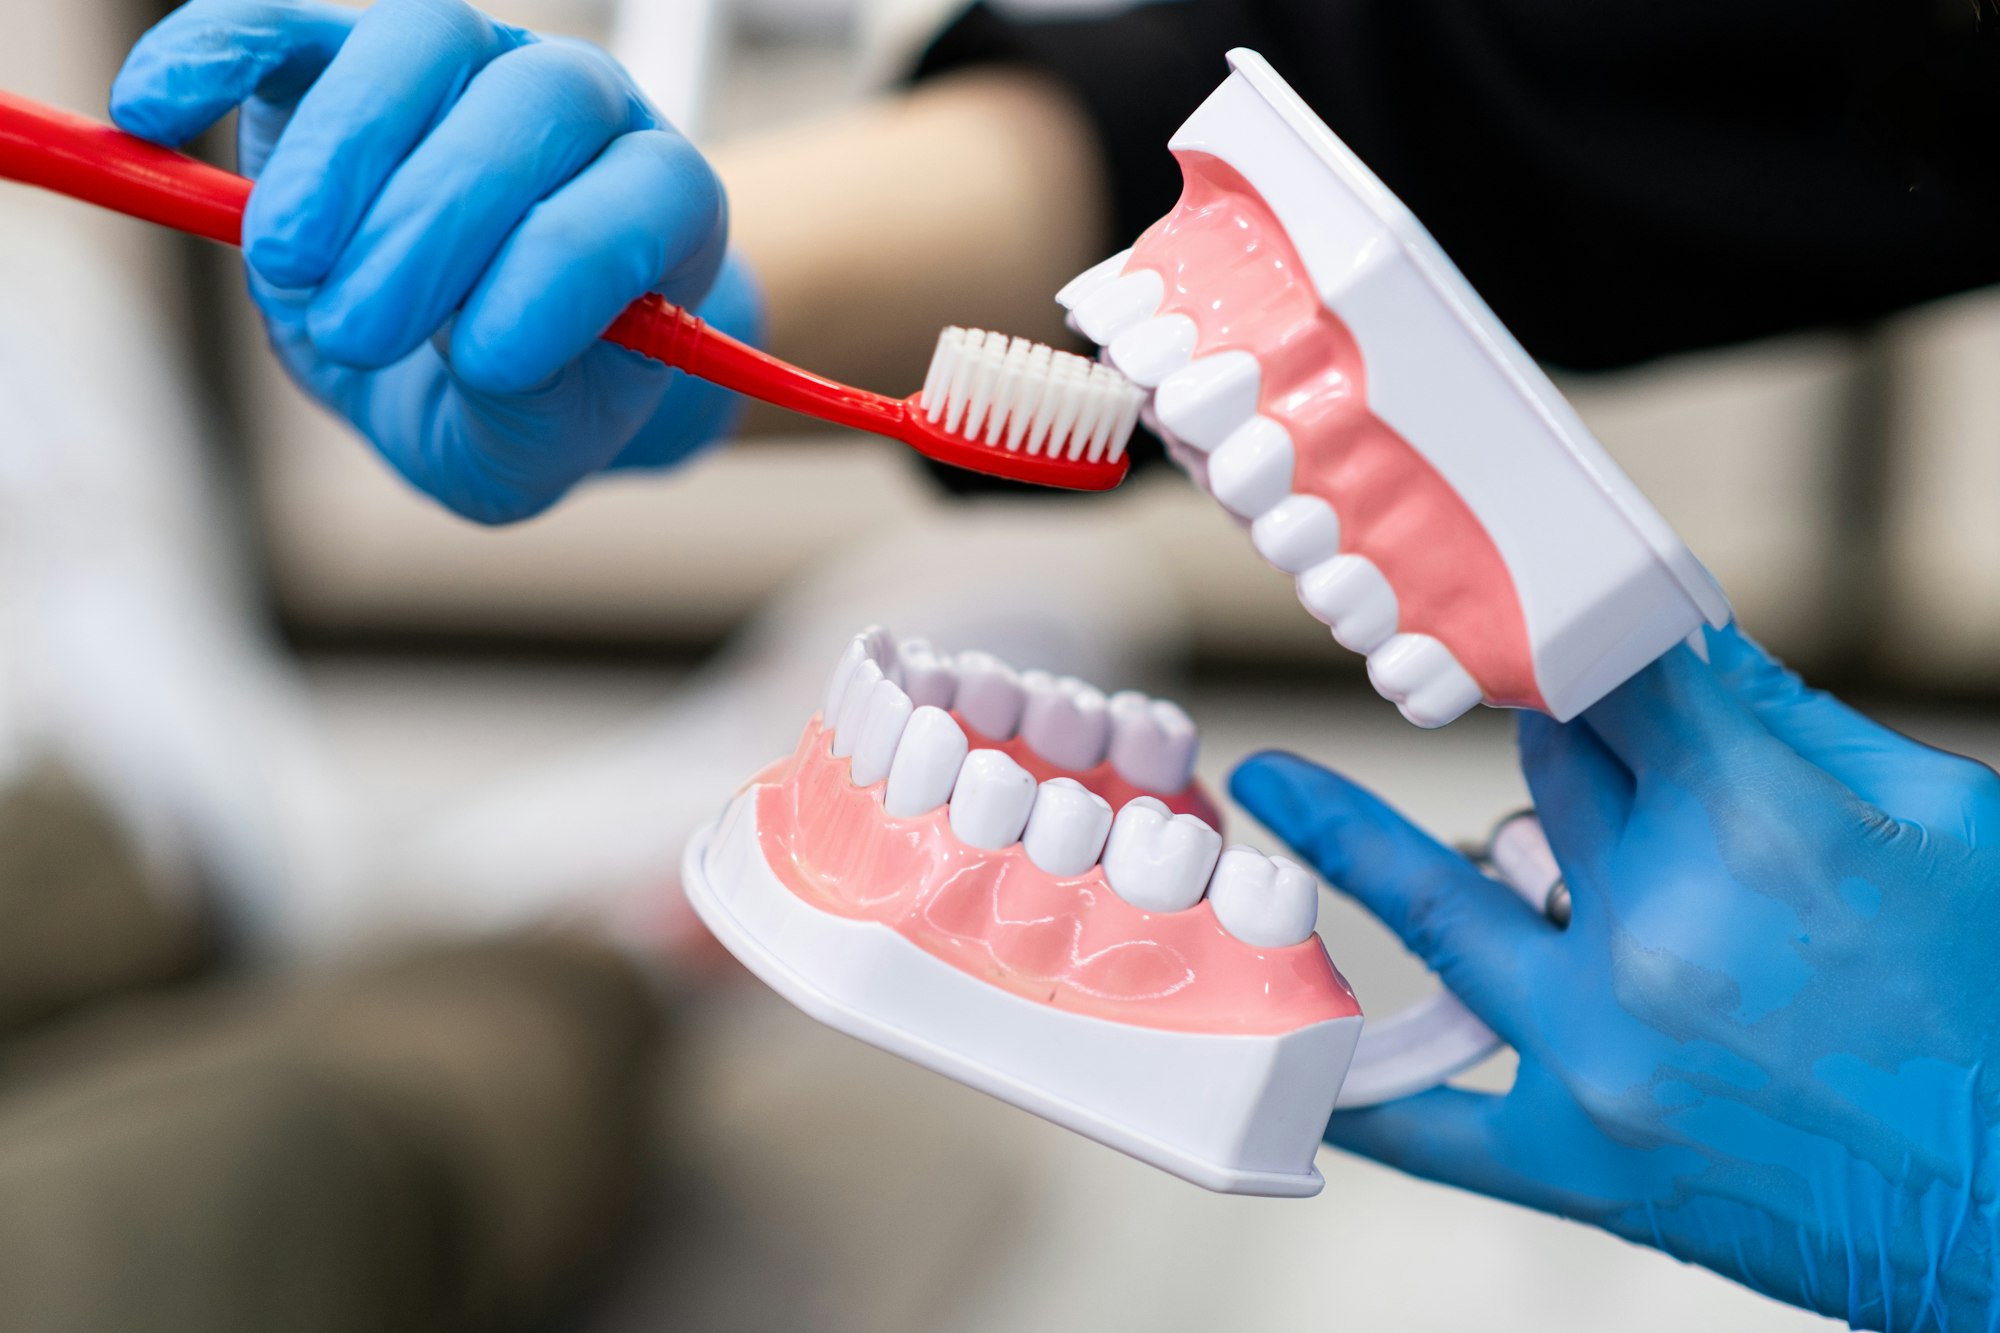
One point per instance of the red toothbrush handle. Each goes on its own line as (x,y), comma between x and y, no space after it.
(655,327)
(76,156)
(85,160)
(79,157)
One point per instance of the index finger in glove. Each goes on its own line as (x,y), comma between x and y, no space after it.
(1477,935)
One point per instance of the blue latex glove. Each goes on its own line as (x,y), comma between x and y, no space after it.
(1769,1041)
(448,211)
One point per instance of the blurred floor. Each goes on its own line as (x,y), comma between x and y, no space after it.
(822,1185)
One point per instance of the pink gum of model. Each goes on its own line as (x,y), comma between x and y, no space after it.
(1227,265)
(1068,942)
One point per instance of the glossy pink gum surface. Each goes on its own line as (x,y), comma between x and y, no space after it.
(1227,265)
(1067,942)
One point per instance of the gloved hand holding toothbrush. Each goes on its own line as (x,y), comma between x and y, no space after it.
(448,211)
(1769,1040)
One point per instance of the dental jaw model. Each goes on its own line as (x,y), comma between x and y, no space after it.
(1014,880)
(1321,368)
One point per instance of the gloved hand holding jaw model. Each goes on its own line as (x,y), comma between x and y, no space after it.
(1766,1041)
(448,211)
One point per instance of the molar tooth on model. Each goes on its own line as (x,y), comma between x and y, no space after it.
(883,718)
(1157,860)
(991,800)
(1152,742)
(1204,401)
(1298,532)
(1098,275)
(1066,720)
(926,765)
(854,706)
(1147,353)
(928,675)
(1118,305)
(1066,828)
(1422,678)
(1267,901)
(1251,471)
(990,697)
(1349,593)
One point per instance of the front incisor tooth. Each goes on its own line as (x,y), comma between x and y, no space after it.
(926,766)
(1349,593)
(1208,398)
(991,799)
(1152,742)
(1252,470)
(1066,720)
(1149,352)
(1157,860)
(1092,279)
(990,697)
(1421,677)
(1066,827)
(854,706)
(1118,305)
(882,721)
(1298,532)
(1266,901)
(836,686)
(927,675)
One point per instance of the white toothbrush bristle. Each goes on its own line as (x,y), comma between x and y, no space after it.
(1022,396)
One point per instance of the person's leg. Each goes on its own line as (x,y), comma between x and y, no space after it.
(79,920)
(441,1141)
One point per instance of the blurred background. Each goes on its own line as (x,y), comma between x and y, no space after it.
(447,738)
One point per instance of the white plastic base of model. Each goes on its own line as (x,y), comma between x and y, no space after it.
(1605,584)
(1236,1114)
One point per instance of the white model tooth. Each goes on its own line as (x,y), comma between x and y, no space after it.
(853,708)
(883,718)
(1152,742)
(1252,470)
(990,697)
(1208,398)
(1066,828)
(1158,860)
(1092,279)
(1118,305)
(1067,720)
(927,674)
(1422,678)
(991,799)
(1349,593)
(843,671)
(1148,353)
(1298,532)
(926,764)
(1263,900)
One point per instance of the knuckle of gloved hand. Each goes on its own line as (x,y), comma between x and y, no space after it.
(487,365)
(354,335)
(578,80)
(453,20)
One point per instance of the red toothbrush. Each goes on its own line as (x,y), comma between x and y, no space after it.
(993,404)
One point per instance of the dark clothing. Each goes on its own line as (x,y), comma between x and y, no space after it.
(1620,181)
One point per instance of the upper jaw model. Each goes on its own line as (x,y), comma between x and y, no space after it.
(1323,370)
(1014,880)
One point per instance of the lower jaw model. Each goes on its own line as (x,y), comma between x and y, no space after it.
(1014,880)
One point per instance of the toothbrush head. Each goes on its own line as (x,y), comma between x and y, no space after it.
(1023,410)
